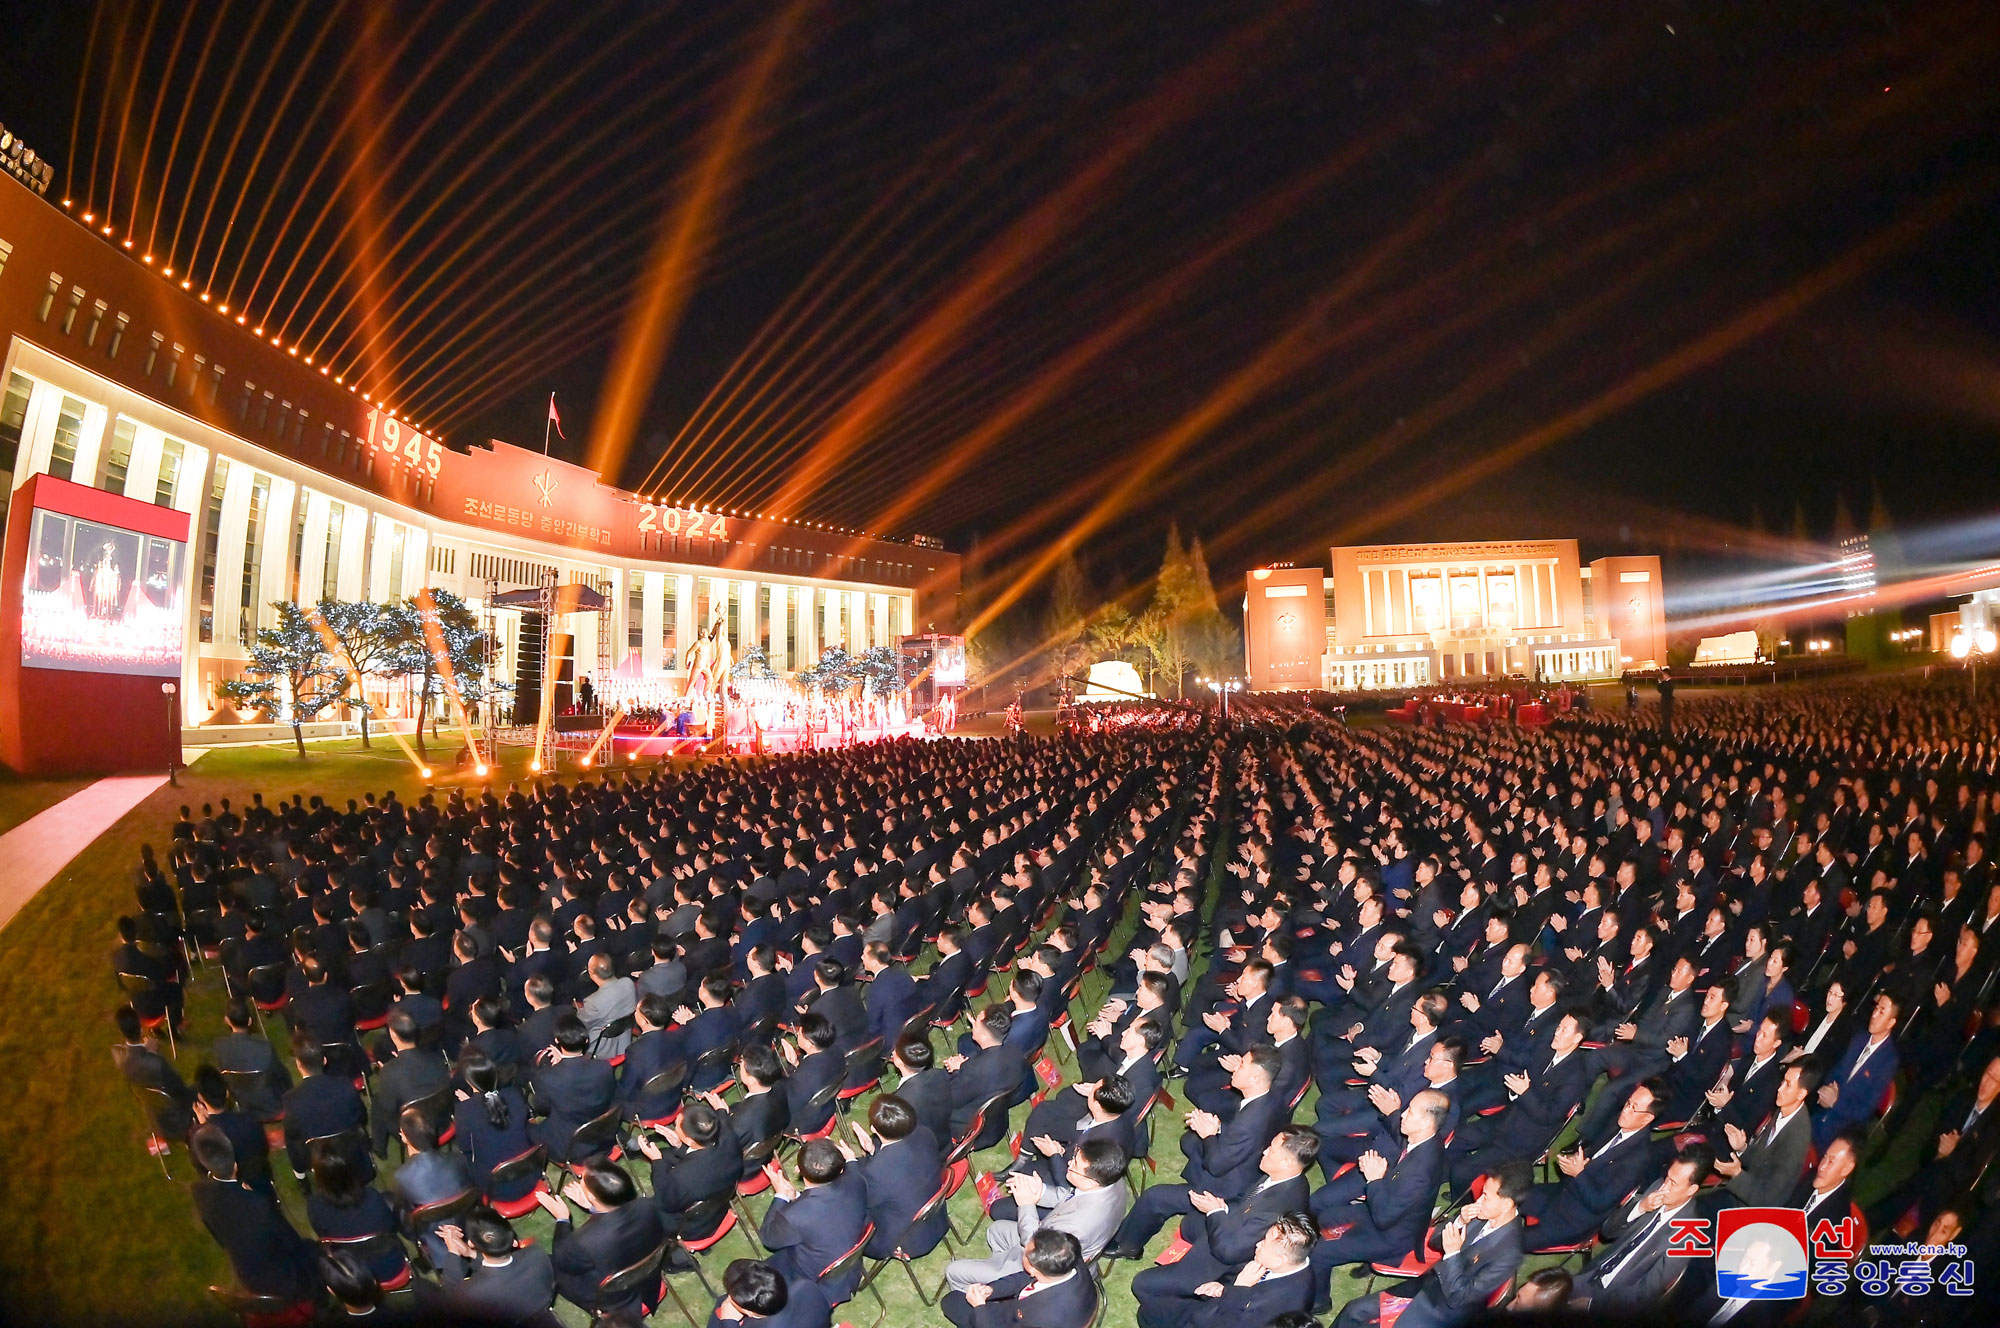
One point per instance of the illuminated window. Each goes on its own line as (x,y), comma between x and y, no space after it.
(49,298)
(118,456)
(669,645)
(153,355)
(298,543)
(75,306)
(13,416)
(764,617)
(97,312)
(117,336)
(174,363)
(211,539)
(635,612)
(69,431)
(251,612)
(398,539)
(172,452)
(336,517)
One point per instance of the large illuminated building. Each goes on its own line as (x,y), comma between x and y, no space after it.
(119,376)
(1406,615)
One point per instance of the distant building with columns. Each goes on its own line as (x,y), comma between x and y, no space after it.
(1403,615)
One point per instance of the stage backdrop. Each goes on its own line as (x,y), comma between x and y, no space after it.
(96,622)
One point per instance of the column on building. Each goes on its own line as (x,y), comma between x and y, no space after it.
(829,618)
(274,575)
(781,627)
(652,618)
(196,466)
(802,614)
(353,566)
(744,629)
(228,590)
(681,585)
(857,620)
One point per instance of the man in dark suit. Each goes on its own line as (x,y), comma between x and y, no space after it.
(623,1228)
(1378,1211)
(1543,1100)
(1598,1176)
(501,1281)
(817,1071)
(167,1097)
(249,1063)
(761,1111)
(1642,1047)
(1968,1138)
(571,1087)
(892,994)
(1054,1289)
(1222,1156)
(993,1069)
(323,1104)
(1482,1248)
(925,1085)
(1100,1110)
(430,1174)
(702,1161)
(1277,1281)
(754,1292)
(655,1050)
(266,1253)
(900,1174)
(1855,1087)
(1763,1168)
(1635,1272)
(714,1025)
(244,1131)
(1222,1236)
(410,1074)
(809,1227)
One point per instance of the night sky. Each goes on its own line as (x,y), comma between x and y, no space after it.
(1289,274)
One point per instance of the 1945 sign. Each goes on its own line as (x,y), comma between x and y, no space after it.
(399,442)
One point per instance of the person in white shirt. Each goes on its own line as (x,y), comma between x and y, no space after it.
(1636,1271)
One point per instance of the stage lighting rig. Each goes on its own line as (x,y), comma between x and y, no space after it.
(23,164)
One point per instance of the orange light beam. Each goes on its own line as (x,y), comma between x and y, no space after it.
(1696,354)
(683,243)
(434,642)
(209,122)
(125,118)
(590,756)
(76,115)
(243,118)
(339,652)
(153,120)
(180,121)
(1000,266)
(771,337)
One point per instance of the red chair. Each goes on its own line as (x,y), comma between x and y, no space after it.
(856,1077)
(363,1250)
(531,1163)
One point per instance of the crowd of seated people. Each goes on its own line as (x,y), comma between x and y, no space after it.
(1472,1013)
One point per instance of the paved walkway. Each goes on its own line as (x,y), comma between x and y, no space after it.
(34,851)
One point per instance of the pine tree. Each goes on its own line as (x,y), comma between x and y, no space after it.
(1068,615)
(369,640)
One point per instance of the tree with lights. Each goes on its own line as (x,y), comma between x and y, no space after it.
(291,675)
(437,635)
(369,637)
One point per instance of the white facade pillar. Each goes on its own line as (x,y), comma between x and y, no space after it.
(189,495)
(230,536)
(38,431)
(142,472)
(90,443)
(652,591)
(781,608)
(274,576)
(802,610)
(353,553)
(744,630)
(682,587)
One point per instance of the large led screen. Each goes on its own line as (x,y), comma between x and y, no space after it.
(99,598)
(948,665)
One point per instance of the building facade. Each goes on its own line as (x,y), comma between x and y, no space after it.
(1407,615)
(300,488)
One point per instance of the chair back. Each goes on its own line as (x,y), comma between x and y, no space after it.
(611,1032)
(595,1136)
(763,1029)
(847,1262)
(134,984)
(425,1216)
(248,1086)
(364,1247)
(531,1163)
(634,1277)
(714,1057)
(761,1152)
(370,1001)
(667,1080)
(858,1061)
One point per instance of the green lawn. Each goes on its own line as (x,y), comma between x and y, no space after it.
(22,798)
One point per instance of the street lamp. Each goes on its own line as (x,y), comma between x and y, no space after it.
(168,690)
(1970,646)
